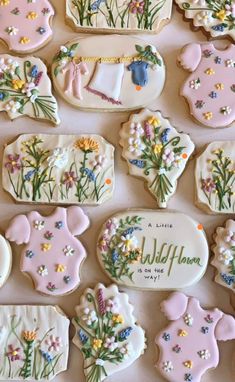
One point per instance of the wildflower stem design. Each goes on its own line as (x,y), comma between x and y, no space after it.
(116,14)
(119,247)
(220,184)
(20,87)
(103,337)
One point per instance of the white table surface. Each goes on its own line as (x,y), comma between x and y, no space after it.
(130,192)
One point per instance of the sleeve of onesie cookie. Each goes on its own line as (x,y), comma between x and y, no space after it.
(225,329)
(77,221)
(19,230)
(175,306)
(190,56)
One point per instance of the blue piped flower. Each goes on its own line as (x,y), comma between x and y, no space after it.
(2,96)
(41,30)
(29,254)
(59,224)
(129,231)
(188,377)
(166,336)
(204,329)
(218,60)
(218,28)
(164,135)
(124,334)
(34,71)
(47,356)
(213,95)
(137,162)
(90,174)
(29,175)
(229,280)
(114,256)
(67,279)
(83,337)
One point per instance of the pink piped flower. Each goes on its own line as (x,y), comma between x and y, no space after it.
(136,6)
(54,343)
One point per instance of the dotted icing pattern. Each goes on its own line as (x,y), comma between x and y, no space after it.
(25,25)
(210,89)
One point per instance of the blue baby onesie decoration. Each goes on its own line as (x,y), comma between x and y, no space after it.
(139,72)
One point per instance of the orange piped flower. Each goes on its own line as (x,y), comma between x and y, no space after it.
(29,336)
(86,144)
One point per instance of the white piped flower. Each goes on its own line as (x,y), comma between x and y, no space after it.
(188,319)
(12,106)
(135,146)
(204,17)
(12,31)
(136,129)
(42,270)
(128,243)
(68,250)
(167,366)
(99,162)
(39,224)
(229,63)
(59,158)
(111,344)
(63,49)
(229,237)
(224,256)
(112,306)
(204,354)
(89,317)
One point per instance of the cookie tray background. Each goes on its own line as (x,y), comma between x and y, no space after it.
(129,192)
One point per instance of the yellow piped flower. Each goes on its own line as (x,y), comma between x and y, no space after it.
(97,343)
(29,336)
(117,319)
(155,122)
(188,364)
(208,115)
(157,148)
(17,84)
(182,333)
(219,86)
(4,2)
(32,15)
(86,144)
(221,14)
(46,247)
(60,268)
(24,40)
(209,71)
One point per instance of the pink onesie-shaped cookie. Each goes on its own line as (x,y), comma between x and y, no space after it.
(188,345)
(52,255)
(210,89)
(25,24)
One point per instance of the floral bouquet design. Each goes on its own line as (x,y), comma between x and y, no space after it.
(120,14)
(217,17)
(215,177)
(155,151)
(119,247)
(33,354)
(106,332)
(59,169)
(25,89)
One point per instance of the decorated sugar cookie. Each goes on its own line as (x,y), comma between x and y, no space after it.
(210,89)
(51,256)
(5,260)
(156,152)
(25,89)
(106,332)
(61,169)
(108,73)
(34,342)
(188,345)
(224,255)
(215,17)
(153,250)
(120,16)
(26,24)
(215,176)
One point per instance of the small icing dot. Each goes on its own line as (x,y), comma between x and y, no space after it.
(184,156)
(108,181)
(200,227)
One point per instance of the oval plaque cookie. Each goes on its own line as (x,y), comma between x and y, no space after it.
(152,250)
(108,73)
(62,169)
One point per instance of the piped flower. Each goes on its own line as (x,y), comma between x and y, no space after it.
(54,343)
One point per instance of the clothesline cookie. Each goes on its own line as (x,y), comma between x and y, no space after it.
(25,89)
(34,342)
(120,16)
(108,73)
(224,256)
(5,260)
(26,24)
(51,256)
(156,152)
(153,250)
(214,177)
(216,18)
(188,345)
(60,169)
(210,89)
(106,332)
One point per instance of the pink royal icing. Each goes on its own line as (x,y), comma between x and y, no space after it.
(52,255)
(25,24)
(188,345)
(210,89)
